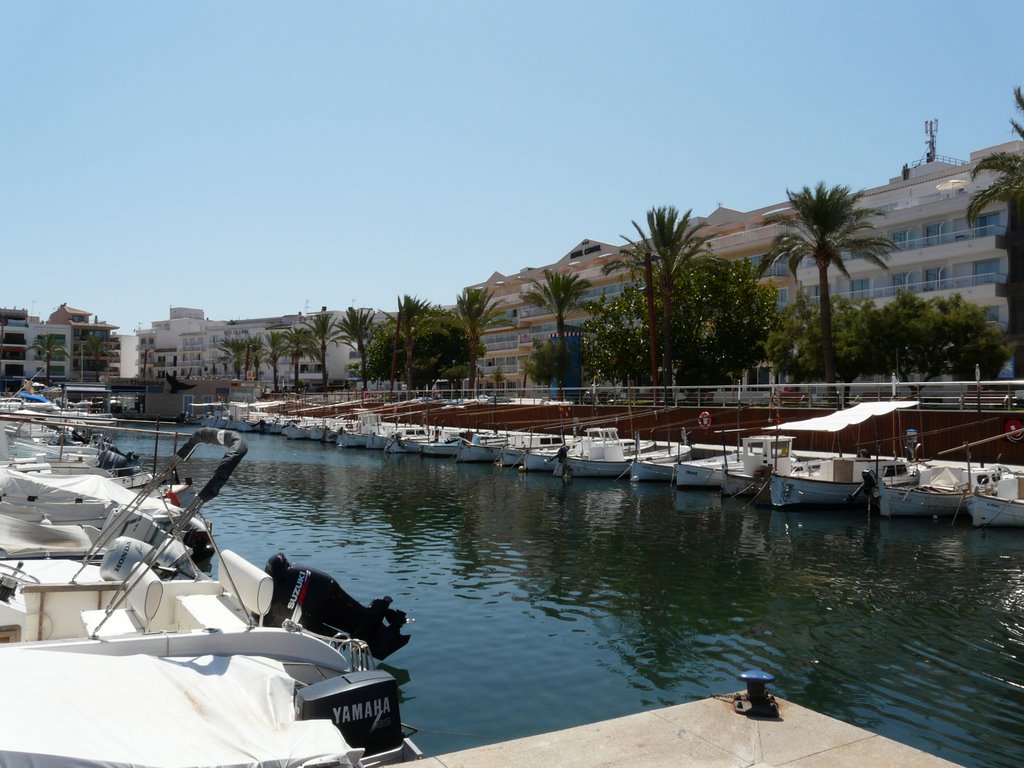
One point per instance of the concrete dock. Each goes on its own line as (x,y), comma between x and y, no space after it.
(706,733)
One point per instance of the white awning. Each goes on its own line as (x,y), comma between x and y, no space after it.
(834,422)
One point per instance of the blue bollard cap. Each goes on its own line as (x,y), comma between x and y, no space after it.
(757,676)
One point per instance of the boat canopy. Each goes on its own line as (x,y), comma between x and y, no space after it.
(839,420)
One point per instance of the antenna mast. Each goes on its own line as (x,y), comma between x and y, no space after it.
(931,127)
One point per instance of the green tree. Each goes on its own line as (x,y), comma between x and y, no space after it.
(325,331)
(559,293)
(50,347)
(413,314)
(439,349)
(794,346)
(672,246)
(615,340)
(94,347)
(822,225)
(256,351)
(356,327)
(235,353)
(299,343)
(1009,169)
(277,347)
(477,311)
(547,361)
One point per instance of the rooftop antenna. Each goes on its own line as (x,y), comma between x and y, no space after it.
(931,127)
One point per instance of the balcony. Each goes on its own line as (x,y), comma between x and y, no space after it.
(962,285)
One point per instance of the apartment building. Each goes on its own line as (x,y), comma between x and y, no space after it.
(922,209)
(189,345)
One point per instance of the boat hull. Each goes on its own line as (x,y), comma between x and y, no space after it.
(993,511)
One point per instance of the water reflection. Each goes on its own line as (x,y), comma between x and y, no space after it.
(542,604)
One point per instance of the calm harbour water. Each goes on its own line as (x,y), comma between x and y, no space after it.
(541,605)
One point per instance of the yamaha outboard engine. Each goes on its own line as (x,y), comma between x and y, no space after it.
(363,706)
(315,600)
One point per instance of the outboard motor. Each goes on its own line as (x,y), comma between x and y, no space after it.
(315,600)
(362,705)
(116,462)
(125,552)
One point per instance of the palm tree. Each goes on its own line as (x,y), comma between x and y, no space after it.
(235,354)
(299,343)
(356,326)
(256,349)
(673,245)
(277,347)
(412,313)
(49,346)
(95,347)
(325,331)
(560,293)
(1009,184)
(478,311)
(826,223)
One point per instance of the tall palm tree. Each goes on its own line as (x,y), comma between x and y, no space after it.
(478,311)
(1009,184)
(325,331)
(559,293)
(277,347)
(674,245)
(94,346)
(413,314)
(49,346)
(235,351)
(257,350)
(299,343)
(356,326)
(826,223)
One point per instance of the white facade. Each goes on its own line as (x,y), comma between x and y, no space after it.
(188,345)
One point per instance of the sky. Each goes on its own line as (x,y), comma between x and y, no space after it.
(254,159)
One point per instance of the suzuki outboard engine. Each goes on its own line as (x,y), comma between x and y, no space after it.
(363,706)
(316,601)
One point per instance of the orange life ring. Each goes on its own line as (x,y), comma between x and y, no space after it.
(172,497)
(704,419)
(1013,429)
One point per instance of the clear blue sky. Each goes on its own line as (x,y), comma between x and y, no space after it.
(255,158)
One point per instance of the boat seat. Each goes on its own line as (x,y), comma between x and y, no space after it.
(141,604)
(254,587)
(209,612)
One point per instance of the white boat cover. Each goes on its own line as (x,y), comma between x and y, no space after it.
(66,488)
(19,537)
(78,710)
(839,420)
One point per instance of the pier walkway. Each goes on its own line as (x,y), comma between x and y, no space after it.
(706,733)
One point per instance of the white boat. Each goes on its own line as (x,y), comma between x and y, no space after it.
(76,622)
(357,434)
(839,482)
(848,483)
(760,456)
(480,449)
(519,444)
(705,473)
(658,467)
(600,453)
(939,491)
(407,438)
(1000,505)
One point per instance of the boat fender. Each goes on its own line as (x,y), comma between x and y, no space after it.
(327,609)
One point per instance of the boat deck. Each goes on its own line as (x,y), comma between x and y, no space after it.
(706,733)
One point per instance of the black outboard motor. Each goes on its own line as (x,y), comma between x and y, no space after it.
(116,462)
(315,600)
(363,706)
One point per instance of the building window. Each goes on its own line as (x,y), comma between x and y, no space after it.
(900,238)
(860,288)
(899,280)
(781,298)
(933,278)
(932,232)
(987,267)
(992,314)
(986,224)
